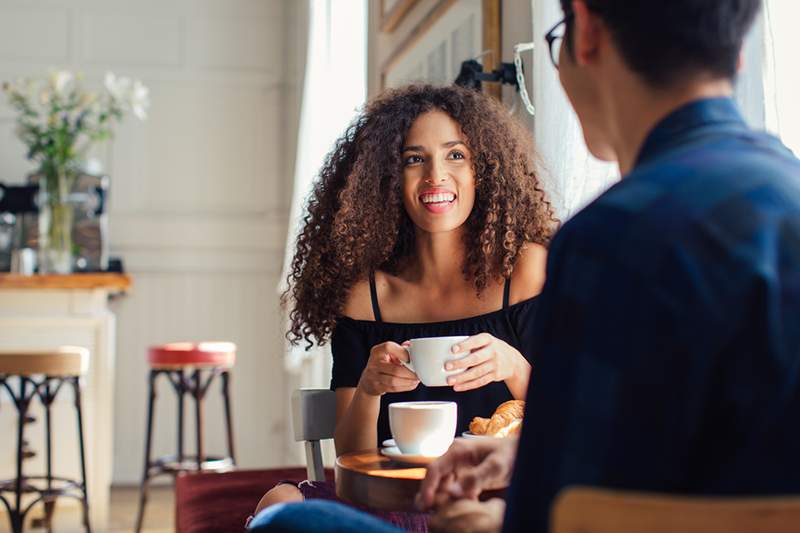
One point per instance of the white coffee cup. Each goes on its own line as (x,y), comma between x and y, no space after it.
(423,428)
(428,356)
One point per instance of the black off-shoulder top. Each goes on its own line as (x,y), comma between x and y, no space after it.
(353,339)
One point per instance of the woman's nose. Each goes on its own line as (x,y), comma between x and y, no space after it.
(436,174)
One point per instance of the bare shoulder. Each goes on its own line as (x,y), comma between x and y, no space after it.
(359,303)
(528,277)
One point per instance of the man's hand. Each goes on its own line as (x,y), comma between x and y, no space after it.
(468,468)
(467,516)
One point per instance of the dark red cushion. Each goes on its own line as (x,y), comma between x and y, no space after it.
(220,503)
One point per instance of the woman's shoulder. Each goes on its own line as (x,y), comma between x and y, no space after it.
(528,277)
(358,304)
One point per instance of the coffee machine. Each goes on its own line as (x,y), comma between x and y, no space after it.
(18,218)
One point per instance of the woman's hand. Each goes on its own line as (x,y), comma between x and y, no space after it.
(385,373)
(489,359)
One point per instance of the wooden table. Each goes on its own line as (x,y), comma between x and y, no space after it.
(371,479)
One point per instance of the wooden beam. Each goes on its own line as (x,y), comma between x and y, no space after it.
(390,20)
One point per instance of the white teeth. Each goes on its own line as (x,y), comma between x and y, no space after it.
(438,198)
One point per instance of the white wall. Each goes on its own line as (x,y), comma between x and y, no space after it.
(199,192)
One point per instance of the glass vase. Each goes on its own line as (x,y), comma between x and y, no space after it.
(55,224)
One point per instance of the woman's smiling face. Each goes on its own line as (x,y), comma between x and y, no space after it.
(438,179)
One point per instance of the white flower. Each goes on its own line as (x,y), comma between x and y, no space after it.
(140,100)
(131,94)
(60,81)
(119,88)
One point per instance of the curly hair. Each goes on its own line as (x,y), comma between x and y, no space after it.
(356,223)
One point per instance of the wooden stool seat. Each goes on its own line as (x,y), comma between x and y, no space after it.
(65,361)
(193,354)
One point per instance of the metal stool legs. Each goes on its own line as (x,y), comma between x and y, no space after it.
(30,388)
(85,501)
(195,385)
(226,378)
(151,398)
(198,392)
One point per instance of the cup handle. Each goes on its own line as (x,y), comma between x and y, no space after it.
(408,365)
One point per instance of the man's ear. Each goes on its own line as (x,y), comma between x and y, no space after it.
(587,33)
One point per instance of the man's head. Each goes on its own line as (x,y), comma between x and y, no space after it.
(662,45)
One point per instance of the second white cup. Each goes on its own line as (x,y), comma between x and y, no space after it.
(423,428)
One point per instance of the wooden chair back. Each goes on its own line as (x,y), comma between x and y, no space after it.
(591,510)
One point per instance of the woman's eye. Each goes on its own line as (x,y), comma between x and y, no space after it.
(455,154)
(413,159)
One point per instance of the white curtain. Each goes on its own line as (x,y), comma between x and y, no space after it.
(781,78)
(769,81)
(766,90)
(334,89)
(573,176)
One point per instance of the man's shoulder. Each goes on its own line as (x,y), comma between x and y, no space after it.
(750,178)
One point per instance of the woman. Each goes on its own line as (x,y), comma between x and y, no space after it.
(428,220)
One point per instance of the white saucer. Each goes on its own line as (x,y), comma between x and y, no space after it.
(470,435)
(389,443)
(393,452)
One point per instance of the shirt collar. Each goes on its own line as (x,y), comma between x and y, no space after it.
(673,130)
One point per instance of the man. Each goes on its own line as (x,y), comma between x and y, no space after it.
(669,326)
(668,354)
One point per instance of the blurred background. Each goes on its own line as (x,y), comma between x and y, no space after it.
(203,197)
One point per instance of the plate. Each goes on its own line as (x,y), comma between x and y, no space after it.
(389,443)
(394,453)
(470,435)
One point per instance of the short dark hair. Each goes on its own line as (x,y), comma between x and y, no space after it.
(666,40)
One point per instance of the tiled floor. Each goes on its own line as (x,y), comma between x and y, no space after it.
(159,517)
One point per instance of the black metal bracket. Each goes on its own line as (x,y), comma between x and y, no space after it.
(472,75)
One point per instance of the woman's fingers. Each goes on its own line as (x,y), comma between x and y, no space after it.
(476,357)
(474,373)
(473,343)
(396,351)
(474,384)
(392,381)
(393,369)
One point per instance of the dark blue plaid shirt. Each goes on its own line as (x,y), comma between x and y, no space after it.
(668,332)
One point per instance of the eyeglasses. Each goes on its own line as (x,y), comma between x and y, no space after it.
(555,38)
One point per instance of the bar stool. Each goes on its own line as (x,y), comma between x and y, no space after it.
(41,374)
(190,368)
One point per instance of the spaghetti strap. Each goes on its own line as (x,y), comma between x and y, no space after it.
(506,293)
(373,293)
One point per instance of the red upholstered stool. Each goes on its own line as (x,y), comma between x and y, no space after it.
(209,502)
(190,368)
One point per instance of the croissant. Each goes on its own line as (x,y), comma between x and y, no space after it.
(478,425)
(506,420)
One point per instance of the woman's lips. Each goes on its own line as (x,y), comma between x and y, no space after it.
(437,201)
(439,208)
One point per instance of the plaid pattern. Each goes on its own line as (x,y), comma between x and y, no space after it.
(667,353)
